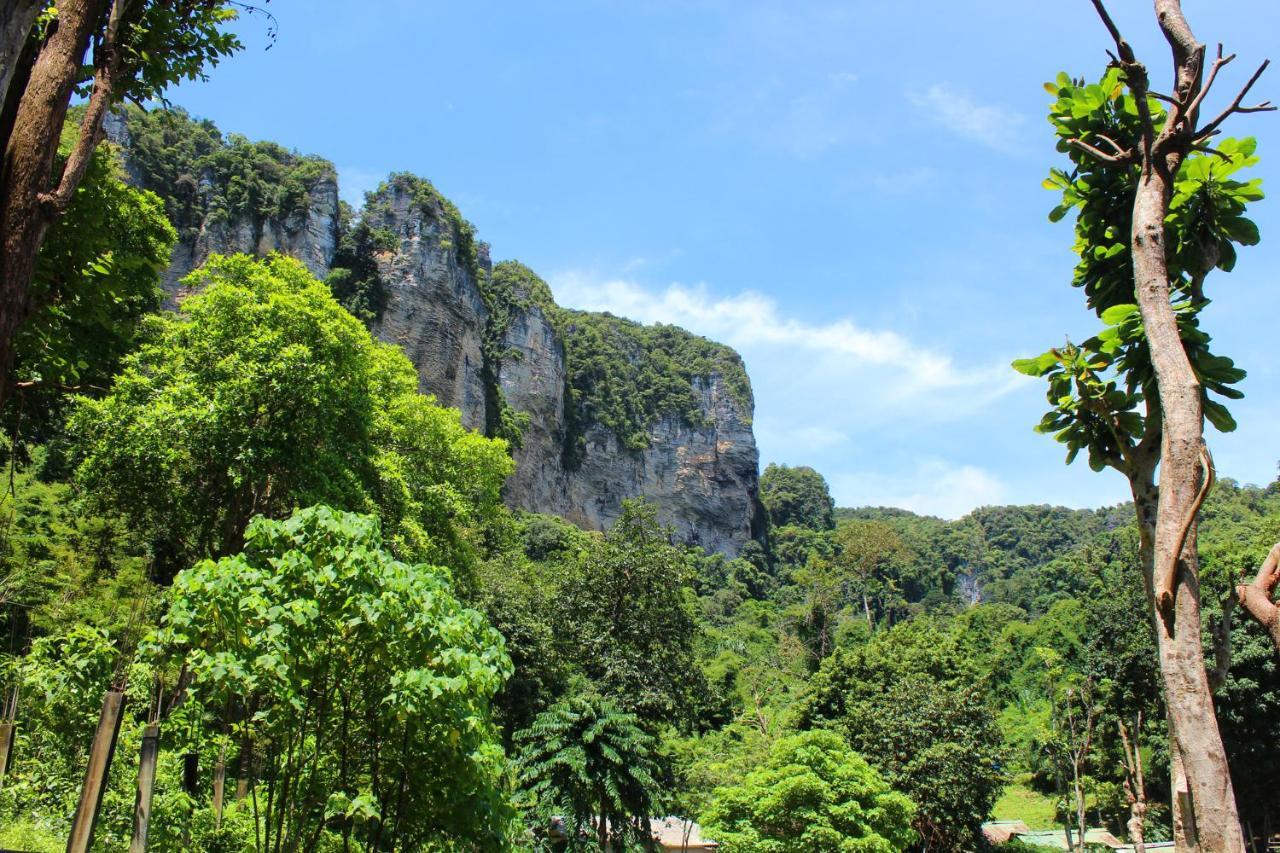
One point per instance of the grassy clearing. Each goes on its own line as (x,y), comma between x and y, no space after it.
(1018,802)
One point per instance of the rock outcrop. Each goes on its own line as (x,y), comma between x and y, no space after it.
(309,234)
(497,353)
(306,229)
(434,308)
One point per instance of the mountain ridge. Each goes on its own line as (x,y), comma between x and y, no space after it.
(597,409)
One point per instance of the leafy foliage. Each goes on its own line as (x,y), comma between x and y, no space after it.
(354,278)
(366,683)
(592,764)
(628,619)
(206,179)
(812,794)
(796,496)
(624,376)
(908,702)
(95,278)
(1096,388)
(263,395)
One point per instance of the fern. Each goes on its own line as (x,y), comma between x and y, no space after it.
(584,760)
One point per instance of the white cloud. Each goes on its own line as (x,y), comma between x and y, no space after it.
(934,487)
(860,404)
(989,124)
(754,324)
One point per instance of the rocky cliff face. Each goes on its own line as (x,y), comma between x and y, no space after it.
(699,468)
(308,234)
(702,478)
(306,228)
(495,351)
(434,308)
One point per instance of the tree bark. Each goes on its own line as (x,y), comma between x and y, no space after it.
(1256,597)
(1207,806)
(1198,803)
(17,18)
(1176,592)
(27,207)
(148,757)
(1135,786)
(7,736)
(219,785)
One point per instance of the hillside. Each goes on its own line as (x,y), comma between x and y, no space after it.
(327,528)
(597,409)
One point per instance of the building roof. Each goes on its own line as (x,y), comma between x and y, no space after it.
(675,833)
(1003,831)
(1057,838)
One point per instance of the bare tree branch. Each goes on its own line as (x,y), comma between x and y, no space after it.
(1120,159)
(1210,128)
(1205,149)
(1122,46)
(1123,152)
(1219,63)
(1256,597)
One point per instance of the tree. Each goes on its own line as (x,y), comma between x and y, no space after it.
(263,395)
(130,50)
(1073,726)
(796,496)
(914,709)
(590,763)
(96,276)
(1158,210)
(1256,596)
(866,548)
(1248,707)
(628,614)
(813,793)
(1121,661)
(366,685)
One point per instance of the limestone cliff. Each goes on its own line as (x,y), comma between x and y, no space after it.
(229,195)
(597,409)
(433,307)
(691,452)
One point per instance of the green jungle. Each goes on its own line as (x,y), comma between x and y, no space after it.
(260,592)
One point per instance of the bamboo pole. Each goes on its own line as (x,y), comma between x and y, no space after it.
(146,783)
(7,737)
(95,775)
(219,785)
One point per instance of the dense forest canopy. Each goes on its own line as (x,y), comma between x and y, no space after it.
(262,593)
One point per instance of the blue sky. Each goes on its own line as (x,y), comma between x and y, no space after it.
(849,193)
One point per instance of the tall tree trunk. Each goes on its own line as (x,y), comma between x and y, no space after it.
(8,733)
(1135,786)
(1146,501)
(1082,819)
(1210,819)
(1184,475)
(29,200)
(219,785)
(17,17)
